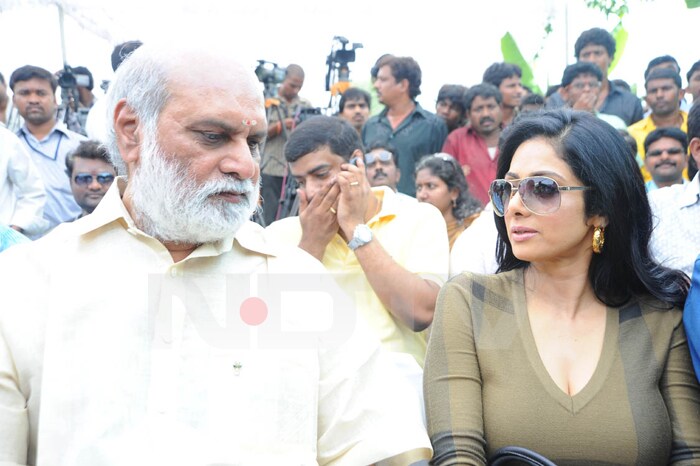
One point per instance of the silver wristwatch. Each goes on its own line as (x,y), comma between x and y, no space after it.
(361,236)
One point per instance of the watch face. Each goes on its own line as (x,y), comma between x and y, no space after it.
(364,234)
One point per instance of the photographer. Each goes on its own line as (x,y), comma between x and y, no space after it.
(280,116)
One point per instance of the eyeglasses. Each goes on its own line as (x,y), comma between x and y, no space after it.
(85,179)
(539,194)
(383,156)
(581,85)
(671,151)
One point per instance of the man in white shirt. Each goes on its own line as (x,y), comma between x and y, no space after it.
(197,342)
(675,241)
(22,194)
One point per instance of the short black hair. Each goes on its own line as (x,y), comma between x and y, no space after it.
(404,68)
(378,64)
(90,149)
(693,69)
(631,142)
(354,93)
(666,132)
(664,73)
(595,36)
(322,131)
(659,60)
(497,72)
(483,90)
(454,93)
(575,70)
(532,99)
(294,70)
(122,51)
(83,70)
(27,72)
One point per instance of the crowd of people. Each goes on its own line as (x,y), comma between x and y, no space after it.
(197,273)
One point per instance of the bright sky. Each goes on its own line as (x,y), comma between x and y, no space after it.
(452,41)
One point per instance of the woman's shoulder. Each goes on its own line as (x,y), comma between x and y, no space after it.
(488,288)
(651,311)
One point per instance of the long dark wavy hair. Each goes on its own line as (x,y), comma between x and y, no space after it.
(445,167)
(599,157)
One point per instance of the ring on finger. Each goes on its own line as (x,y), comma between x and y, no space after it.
(354,183)
(333,211)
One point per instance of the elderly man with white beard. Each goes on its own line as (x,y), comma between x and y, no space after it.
(165,328)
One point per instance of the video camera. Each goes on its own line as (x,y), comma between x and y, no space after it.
(68,79)
(338,60)
(271,75)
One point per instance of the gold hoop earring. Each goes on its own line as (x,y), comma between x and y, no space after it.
(598,239)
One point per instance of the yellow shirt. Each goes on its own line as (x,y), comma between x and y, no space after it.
(110,353)
(415,236)
(641,129)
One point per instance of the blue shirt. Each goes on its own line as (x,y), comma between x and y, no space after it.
(10,237)
(49,156)
(691,318)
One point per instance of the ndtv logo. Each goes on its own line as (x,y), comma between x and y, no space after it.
(245,311)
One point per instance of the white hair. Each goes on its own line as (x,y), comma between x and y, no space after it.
(141,80)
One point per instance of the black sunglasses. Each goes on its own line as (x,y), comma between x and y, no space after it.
(539,194)
(85,179)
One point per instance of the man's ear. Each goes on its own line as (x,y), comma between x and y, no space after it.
(694,147)
(127,131)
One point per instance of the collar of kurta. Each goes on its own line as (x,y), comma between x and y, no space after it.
(691,192)
(112,210)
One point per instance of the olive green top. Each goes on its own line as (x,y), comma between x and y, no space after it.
(486,386)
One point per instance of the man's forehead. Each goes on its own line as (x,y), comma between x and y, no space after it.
(593,48)
(665,142)
(33,83)
(660,82)
(481,100)
(582,76)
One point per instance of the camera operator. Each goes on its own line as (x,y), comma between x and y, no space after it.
(281,112)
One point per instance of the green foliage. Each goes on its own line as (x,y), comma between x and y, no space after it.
(692,3)
(620,34)
(511,54)
(617,8)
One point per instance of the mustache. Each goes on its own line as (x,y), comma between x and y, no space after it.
(487,119)
(378,173)
(669,163)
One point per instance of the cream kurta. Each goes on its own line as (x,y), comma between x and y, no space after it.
(136,360)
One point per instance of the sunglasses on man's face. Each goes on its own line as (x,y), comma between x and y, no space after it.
(670,151)
(85,179)
(382,156)
(539,194)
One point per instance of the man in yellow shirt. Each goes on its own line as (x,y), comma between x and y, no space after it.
(390,256)
(664,94)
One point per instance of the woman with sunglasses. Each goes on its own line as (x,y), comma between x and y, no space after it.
(440,181)
(575,349)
